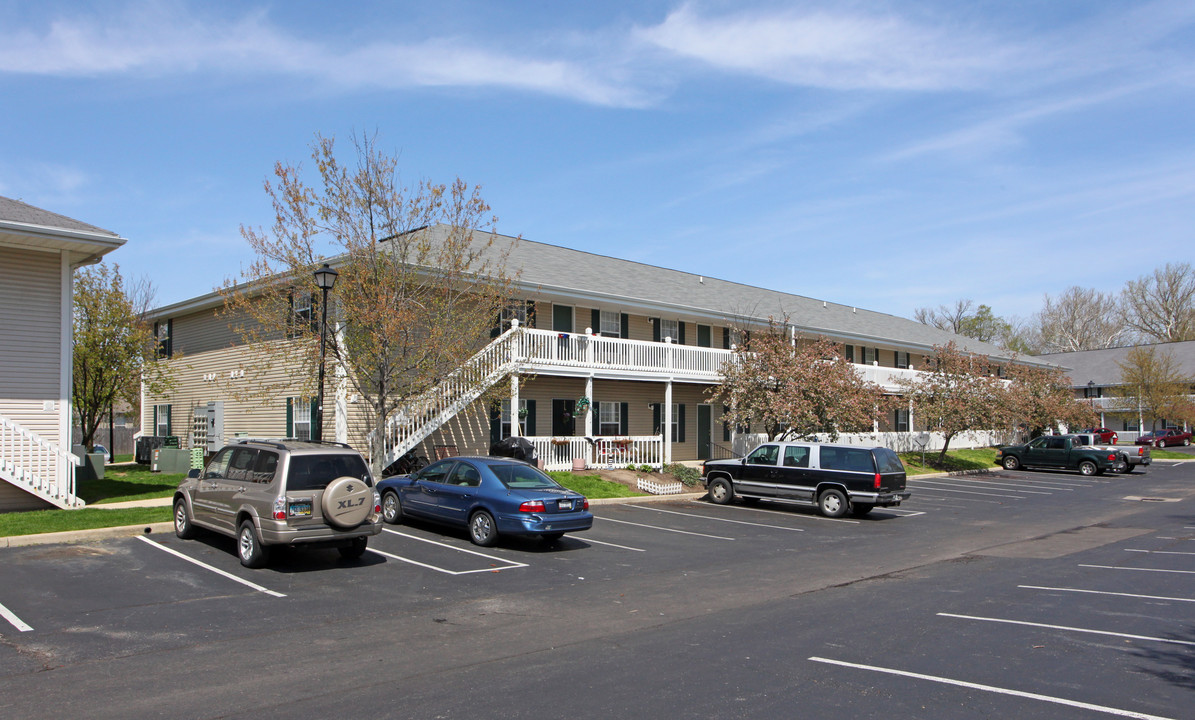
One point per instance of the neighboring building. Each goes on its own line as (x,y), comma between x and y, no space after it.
(659,338)
(1096,375)
(39,251)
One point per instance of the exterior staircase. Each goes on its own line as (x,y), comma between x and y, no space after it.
(416,419)
(37,466)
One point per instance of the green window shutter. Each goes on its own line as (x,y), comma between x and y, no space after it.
(495,422)
(680,423)
(529,421)
(680,325)
(725,425)
(169,425)
(655,329)
(314,419)
(290,418)
(725,338)
(655,418)
(595,418)
(595,320)
(624,323)
(624,418)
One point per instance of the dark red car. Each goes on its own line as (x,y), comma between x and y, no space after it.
(1162,438)
(1102,435)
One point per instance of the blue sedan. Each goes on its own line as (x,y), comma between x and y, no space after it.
(490,496)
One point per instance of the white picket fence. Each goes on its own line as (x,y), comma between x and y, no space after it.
(558,453)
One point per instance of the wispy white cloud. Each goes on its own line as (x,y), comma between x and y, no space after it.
(834,49)
(157,40)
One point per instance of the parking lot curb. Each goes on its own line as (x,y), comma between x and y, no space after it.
(75,536)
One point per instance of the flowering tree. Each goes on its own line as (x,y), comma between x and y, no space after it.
(1040,398)
(113,345)
(421,281)
(956,393)
(796,389)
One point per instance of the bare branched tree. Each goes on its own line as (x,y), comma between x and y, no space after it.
(1079,319)
(1161,306)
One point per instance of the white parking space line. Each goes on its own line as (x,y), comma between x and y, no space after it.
(657,527)
(205,566)
(620,547)
(994,689)
(1104,592)
(965,492)
(707,517)
(785,513)
(1168,641)
(11,617)
(511,564)
(1160,552)
(1114,567)
(992,486)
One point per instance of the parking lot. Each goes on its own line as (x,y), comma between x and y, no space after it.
(1023,593)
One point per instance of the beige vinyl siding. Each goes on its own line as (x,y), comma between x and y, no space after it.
(31,356)
(202,332)
(14,499)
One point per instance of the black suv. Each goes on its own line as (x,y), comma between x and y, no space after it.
(835,478)
(267,493)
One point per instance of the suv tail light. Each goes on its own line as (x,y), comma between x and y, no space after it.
(877,481)
(532,506)
(279,508)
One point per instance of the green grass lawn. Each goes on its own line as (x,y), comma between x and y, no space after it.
(592,486)
(44,521)
(969,459)
(128,482)
(1157,454)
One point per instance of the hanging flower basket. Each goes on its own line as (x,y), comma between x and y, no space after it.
(581,406)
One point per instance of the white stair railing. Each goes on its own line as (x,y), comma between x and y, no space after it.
(37,465)
(413,421)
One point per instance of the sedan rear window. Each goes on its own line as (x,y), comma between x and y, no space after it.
(522,477)
(314,472)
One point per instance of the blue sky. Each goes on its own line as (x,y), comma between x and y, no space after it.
(888,155)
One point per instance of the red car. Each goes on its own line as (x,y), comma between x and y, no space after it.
(1162,438)
(1102,435)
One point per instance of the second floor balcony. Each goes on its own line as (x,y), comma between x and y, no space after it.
(578,355)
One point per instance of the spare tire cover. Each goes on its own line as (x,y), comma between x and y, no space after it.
(347,502)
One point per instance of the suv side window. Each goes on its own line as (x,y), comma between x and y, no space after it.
(265,467)
(242,464)
(846,458)
(764,455)
(218,467)
(796,456)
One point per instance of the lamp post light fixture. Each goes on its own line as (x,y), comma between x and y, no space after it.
(325,278)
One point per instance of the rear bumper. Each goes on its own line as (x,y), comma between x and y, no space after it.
(536,524)
(881,499)
(278,533)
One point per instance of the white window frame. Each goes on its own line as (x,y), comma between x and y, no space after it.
(300,414)
(506,420)
(870,355)
(669,329)
(902,420)
(162,413)
(611,323)
(902,359)
(604,414)
(514,311)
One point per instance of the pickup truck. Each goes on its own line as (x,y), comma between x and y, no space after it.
(1130,456)
(1064,452)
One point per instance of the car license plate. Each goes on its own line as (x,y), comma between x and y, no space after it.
(565,505)
(299,509)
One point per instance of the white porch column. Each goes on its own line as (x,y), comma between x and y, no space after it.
(341,384)
(667,414)
(588,410)
(514,405)
(912,427)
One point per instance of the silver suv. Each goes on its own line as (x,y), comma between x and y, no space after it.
(266,493)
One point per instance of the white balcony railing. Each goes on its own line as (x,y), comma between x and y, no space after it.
(558,453)
(38,466)
(544,350)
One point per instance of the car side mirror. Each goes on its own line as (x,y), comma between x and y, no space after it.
(193,474)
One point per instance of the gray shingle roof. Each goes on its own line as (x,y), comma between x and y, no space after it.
(632,283)
(1102,366)
(21,212)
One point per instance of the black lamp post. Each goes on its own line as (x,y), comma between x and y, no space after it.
(325,278)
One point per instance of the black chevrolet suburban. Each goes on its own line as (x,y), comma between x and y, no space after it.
(835,478)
